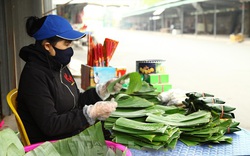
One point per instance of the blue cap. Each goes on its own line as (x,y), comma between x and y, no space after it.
(55,25)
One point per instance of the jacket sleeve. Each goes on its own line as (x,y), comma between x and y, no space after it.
(35,93)
(88,97)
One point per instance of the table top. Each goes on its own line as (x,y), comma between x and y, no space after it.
(240,146)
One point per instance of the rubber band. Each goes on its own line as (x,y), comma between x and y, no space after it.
(159,78)
(222,112)
(228,130)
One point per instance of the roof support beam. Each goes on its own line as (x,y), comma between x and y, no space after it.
(215,20)
(243,18)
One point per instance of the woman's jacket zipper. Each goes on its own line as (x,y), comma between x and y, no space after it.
(67,87)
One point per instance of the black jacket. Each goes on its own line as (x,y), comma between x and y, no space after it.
(49,102)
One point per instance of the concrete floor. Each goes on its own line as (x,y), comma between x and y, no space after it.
(10,121)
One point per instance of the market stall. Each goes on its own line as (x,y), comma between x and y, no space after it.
(151,118)
(154,119)
(136,123)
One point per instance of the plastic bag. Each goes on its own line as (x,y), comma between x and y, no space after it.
(173,97)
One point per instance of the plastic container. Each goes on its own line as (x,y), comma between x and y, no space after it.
(33,146)
(121,147)
(110,144)
(1,123)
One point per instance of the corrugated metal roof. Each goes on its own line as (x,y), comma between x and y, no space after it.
(166,4)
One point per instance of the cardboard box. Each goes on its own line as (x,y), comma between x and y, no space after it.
(150,66)
(157,78)
(162,87)
(237,38)
(146,67)
(90,76)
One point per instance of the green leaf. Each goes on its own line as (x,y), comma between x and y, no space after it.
(189,142)
(197,95)
(181,120)
(148,137)
(133,142)
(112,84)
(211,100)
(10,143)
(204,131)
(220,108)
(132,101)
(173,143)
(135,82)
(128,123)
(44,149)
(138,132)
(89,142)
(170,109)
(145,88)
(134,113)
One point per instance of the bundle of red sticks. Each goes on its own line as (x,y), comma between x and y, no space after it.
(99,55)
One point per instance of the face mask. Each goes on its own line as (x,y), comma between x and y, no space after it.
(63,56)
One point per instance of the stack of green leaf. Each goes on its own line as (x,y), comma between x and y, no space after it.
(197,127)
(140,135)
(128,123)
(147,92)
(137,87)
(211,110)
(129,127)
(202,122)
(204,101)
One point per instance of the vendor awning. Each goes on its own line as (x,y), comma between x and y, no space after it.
(208,4)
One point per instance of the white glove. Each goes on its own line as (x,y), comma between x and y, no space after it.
(100,110)
(102,91)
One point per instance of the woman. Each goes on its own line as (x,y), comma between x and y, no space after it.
(49,102)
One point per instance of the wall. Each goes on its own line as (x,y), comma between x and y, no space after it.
(13,15)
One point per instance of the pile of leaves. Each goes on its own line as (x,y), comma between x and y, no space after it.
(204,119)
(204,101)
(129,127)
(214,131)
(128,123)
